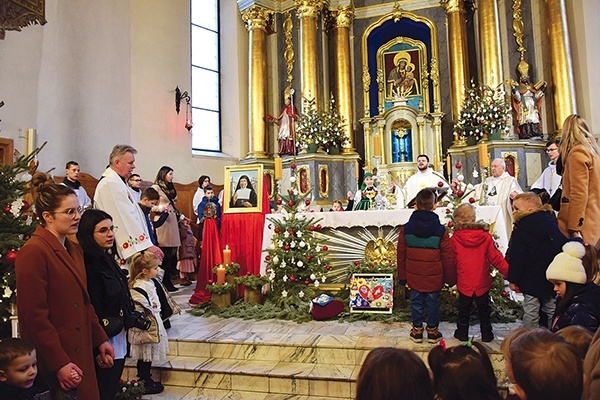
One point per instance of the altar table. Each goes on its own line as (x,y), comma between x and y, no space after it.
(387,218)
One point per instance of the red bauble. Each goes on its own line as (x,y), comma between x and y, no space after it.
(279,202)
(307,202)
(308,258)
(291,203)
(319,227)
(210,281)
(286,247)
(291,232)
(7,209)
(249,273)
(440,184)
(292,278)
(325,248)
(25,206)
(450,224)
(504,293)
(460,193)
(357,263)
(267,258)
(277,230)
(471,200)
(293,166)
(311,228)
(306,281)
(458,165)
(10,257)
(328,267)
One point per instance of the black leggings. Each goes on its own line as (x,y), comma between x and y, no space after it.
(108,379)
(169,264)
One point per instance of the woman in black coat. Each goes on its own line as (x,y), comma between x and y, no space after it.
(109,294)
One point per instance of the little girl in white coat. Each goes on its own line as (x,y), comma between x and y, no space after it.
(144,267)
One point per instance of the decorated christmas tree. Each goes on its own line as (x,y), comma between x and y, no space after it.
(310,124)
(16,226)
(296,260)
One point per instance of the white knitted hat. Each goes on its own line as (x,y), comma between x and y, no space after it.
(567,266)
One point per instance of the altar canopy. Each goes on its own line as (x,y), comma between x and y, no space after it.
(345,232)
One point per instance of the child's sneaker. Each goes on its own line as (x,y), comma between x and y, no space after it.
(416,334)
(433,335)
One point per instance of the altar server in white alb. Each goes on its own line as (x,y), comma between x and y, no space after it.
(499,190)
(114,197)
(425,177)
(72,180)
(550,180)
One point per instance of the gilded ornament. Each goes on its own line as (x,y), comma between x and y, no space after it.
(380,250)
(435,72)
(257,17)
(366,78)
(397,12)
(308,8)
(288,53)
(380,80)
(343,16)
(518,26)
(452,6)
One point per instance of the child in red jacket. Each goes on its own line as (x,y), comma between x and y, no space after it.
(475,250)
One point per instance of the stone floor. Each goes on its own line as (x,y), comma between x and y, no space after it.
(214,358)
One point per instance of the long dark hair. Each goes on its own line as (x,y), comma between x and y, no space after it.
(85,234)
(393,374)
(572,289)
(463,373)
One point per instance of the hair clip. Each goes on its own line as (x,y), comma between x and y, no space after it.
(442,344)
(469,343)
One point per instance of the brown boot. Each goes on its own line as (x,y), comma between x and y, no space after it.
(433,334)
(416,334)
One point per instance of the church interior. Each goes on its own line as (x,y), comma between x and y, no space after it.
(84,76)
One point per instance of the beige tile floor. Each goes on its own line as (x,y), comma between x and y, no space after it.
(333,349)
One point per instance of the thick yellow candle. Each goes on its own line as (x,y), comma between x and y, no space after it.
(226,255)
(448,166)
(483,153)
(356,169)
(220,275)
(376,145)
(278,168)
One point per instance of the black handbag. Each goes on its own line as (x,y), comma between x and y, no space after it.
(112,325)
(137,319)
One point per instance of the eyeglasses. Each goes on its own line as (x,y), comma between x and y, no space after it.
(104,231)
(549,150)
(71,212)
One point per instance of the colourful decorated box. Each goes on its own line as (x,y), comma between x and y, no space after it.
(372,293)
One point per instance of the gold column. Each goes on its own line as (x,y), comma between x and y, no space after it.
(420,126)
(343,18)
(459,63)
(256,20)
(489,42)
(308,13)
(562,66)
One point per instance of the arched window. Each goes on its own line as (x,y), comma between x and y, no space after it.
(205,93)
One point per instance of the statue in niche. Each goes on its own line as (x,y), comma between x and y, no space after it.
(286,137)
(527,101)
(401,81)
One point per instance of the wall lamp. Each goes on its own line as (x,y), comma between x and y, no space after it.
(188,108)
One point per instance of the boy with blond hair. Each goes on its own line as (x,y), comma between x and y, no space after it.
(534,243)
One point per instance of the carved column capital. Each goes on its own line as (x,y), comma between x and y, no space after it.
(452,6)
(256,17)
(308,8)
(342,17)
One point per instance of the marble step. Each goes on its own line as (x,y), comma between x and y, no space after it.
(186,393)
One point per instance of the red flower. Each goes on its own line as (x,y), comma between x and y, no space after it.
(141,237)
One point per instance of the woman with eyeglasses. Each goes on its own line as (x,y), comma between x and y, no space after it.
(54,309)
(579,215)
(109,293)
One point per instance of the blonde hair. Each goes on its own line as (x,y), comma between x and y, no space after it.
(576,131)
(464,214)
(532,199)
(578,337)
(139,262)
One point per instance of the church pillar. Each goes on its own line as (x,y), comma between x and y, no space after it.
(308,13)
(562,66)
(459,64)
(489,43)
(256,19)
(342,20)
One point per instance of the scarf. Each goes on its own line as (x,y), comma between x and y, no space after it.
(169,189)
(73,185)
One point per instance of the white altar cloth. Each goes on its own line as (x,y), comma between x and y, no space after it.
(490,214)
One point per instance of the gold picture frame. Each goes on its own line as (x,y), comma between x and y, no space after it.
(240,197)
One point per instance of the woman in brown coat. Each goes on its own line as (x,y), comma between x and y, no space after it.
(53,304)
(579,214)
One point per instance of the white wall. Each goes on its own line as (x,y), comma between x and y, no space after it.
(102,73)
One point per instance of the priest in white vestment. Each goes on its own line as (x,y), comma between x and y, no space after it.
(499,190)
(425,177)
(114,197)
